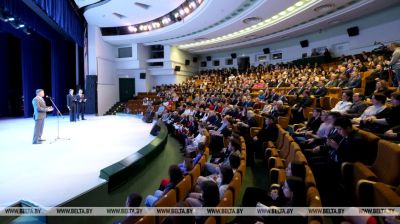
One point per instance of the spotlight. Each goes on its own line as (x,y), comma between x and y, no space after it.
(192,5)
(132,28)
(21,25)
(186,10)
(176,15)
(149,27)
(10,18)
(199,1)
(181,12)
(166,20)
(156,25)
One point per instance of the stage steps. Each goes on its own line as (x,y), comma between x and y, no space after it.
(116,108)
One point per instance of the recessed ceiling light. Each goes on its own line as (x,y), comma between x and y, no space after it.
(334,22)
(291,8)
(275,17)
(298,4)
(324,8)
(132,29)
(282,13)
(252,20)
(187,10)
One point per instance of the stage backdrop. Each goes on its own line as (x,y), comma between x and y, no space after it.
(47,58)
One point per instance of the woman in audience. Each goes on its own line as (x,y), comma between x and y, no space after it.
(382,87)
(345,104)
(175,176)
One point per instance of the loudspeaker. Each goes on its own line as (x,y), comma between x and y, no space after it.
(233,55)
(177,68)
(187,62)
(194,59)
(143,75)
(155,130)
(353,31)
(91,94)
(304,43)
(266,50)
(208,58)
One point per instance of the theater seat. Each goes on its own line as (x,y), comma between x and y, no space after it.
(183,188)
(207,152)
(372,146)
(314,200)
(226,201)
(376,194)
(283,122)
(146,220)
(310,179)
(235,186)
(242,169)
(385,169)
(195,173)
(168,200)
(300,157)
(202,162)
(210,220)
(279,162)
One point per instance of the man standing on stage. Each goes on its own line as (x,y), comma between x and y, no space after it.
(71,104)
(81,101)
(39,114)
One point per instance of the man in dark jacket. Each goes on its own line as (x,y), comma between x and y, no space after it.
(357,108)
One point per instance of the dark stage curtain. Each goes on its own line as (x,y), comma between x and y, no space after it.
(64,15)
(47,58)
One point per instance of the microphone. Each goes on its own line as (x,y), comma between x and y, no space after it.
(49,97)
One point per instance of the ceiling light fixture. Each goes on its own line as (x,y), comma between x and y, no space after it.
(132,28)
(295,9)
(187,10)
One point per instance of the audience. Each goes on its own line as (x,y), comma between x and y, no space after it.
(175,176)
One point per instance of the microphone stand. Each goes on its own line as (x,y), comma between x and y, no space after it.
(59,114)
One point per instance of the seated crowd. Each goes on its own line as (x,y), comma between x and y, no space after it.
(219,110)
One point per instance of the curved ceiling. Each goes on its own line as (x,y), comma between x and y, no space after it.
(126,12)
(218,18)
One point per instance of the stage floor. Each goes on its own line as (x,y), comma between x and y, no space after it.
(51,173)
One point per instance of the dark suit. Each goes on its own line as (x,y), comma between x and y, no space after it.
(80,110)
(321,91)
(354,82)
(71,103)
(39,114)
(356,109)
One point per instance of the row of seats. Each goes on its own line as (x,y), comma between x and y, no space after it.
(231,195)
(187,185)
(380,179)
(278,155)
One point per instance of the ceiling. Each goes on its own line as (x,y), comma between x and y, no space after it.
(217,18)
(127,12)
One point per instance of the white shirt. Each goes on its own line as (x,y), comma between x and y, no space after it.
(372,111)
(199,138)
(342,106)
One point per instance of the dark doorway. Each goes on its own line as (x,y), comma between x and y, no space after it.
(243,64)
(11,76)
(126,89)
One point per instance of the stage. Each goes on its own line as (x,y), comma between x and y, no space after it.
(51,173)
